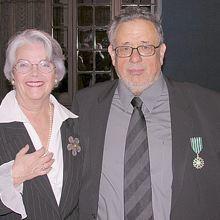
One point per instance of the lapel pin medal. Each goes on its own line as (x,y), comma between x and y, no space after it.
(73,145)
(197,146)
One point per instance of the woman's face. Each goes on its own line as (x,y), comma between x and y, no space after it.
(32,81)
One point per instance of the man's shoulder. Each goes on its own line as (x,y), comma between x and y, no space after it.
(193,89)
(97,89)
(195,94)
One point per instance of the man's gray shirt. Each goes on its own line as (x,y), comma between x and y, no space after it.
(157,114)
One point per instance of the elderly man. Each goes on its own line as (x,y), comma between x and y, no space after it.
(152,145)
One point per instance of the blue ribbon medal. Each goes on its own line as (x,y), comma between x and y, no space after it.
(197,146)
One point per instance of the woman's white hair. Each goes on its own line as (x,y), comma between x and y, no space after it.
(29,36)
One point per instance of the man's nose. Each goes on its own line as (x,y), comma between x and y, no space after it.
(135,56)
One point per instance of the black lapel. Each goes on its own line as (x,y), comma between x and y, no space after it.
(97,127)
(182,130)
(19,137)
(71,165)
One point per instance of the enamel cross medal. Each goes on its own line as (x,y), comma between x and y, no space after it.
(197,146)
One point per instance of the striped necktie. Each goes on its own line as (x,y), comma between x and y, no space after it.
(137,179)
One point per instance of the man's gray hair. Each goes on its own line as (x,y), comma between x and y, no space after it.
(132,13)
(52,48)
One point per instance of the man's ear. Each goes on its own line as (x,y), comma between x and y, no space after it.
(162,53)
(112,54)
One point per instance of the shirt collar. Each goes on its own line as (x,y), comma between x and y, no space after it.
(10,110)
(60,111)
(149,96)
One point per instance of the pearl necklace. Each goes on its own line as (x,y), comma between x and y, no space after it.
(50,126)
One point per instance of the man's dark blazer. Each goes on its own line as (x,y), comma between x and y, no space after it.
(195,112)
(38,197)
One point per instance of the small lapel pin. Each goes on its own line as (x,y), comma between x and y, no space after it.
(73,145)
(197,146)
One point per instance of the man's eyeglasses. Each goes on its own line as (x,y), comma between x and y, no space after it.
(25,66)
(143,50)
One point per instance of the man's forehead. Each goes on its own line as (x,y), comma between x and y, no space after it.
(139,22)
(136,31)
(142,42)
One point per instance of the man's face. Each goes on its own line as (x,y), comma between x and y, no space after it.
(137,72)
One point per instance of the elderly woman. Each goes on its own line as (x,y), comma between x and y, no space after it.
(40,153)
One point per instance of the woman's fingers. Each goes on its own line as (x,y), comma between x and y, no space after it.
(28,166)
(45,171)
(23,151)
(43,163)
(43,168)
(40,152)
(48,164)
(47,157)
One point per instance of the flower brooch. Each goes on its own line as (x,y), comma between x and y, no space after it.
(73,145)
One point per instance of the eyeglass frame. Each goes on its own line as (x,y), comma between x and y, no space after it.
(133,48)
(32,64)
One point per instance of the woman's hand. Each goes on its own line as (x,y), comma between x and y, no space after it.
(27,166)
